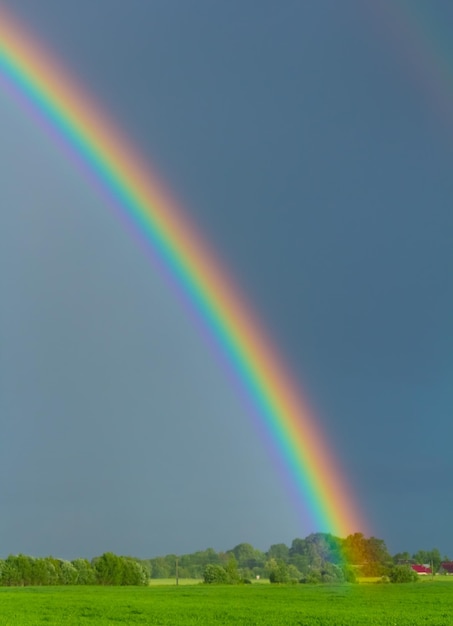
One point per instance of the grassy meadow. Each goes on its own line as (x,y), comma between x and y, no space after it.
(248,605)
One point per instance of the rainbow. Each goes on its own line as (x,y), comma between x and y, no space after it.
(67,110)
(421,43)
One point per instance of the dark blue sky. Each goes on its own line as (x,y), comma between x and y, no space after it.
(312,143)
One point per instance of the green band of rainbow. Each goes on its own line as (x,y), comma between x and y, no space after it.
(116,165)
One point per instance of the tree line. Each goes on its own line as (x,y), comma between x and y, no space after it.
(319,558)
(107,569)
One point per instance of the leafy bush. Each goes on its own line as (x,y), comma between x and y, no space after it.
(349,574)
(328,573)
(278,571)
(215,574)
(119,570)
(403,574)
(223,574)
(312,578)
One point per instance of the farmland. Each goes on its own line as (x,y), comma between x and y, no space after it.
(427,603)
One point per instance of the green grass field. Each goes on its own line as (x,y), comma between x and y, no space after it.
(249,605)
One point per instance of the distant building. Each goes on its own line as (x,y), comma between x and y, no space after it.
(446,568)
(422,570)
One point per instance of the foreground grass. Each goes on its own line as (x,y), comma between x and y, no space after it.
(248,605)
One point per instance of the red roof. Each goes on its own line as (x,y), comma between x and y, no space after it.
(421,569)
(447,566)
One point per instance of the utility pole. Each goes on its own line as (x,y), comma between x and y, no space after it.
(177,572)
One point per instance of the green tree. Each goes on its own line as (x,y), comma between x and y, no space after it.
(314,577)
(315,550)
(370,554)
(160,568)
(328,573)
(331,573)
(109,569)
(134,572)
(349,573)
(227,574)
(301,562)
(354,549)
(298,547)
(401,558)
(193,565)
(86,575)
(45,571)
(67,573)
(428,557)
(231,568)
(294,573)
(11,574)
(247,557)
(279,551)
(278,571)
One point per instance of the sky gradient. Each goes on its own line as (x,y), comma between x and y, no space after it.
(311,148)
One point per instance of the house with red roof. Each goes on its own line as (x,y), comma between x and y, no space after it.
(446,568)
(422,570)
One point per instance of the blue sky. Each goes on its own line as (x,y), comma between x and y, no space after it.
(308,145)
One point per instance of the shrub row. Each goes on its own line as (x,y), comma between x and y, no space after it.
(107,569)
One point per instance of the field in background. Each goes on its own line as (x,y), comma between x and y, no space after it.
(265,581)
(248,605)
(159,582)
(437,578)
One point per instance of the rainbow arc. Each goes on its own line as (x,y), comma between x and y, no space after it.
(65,107)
